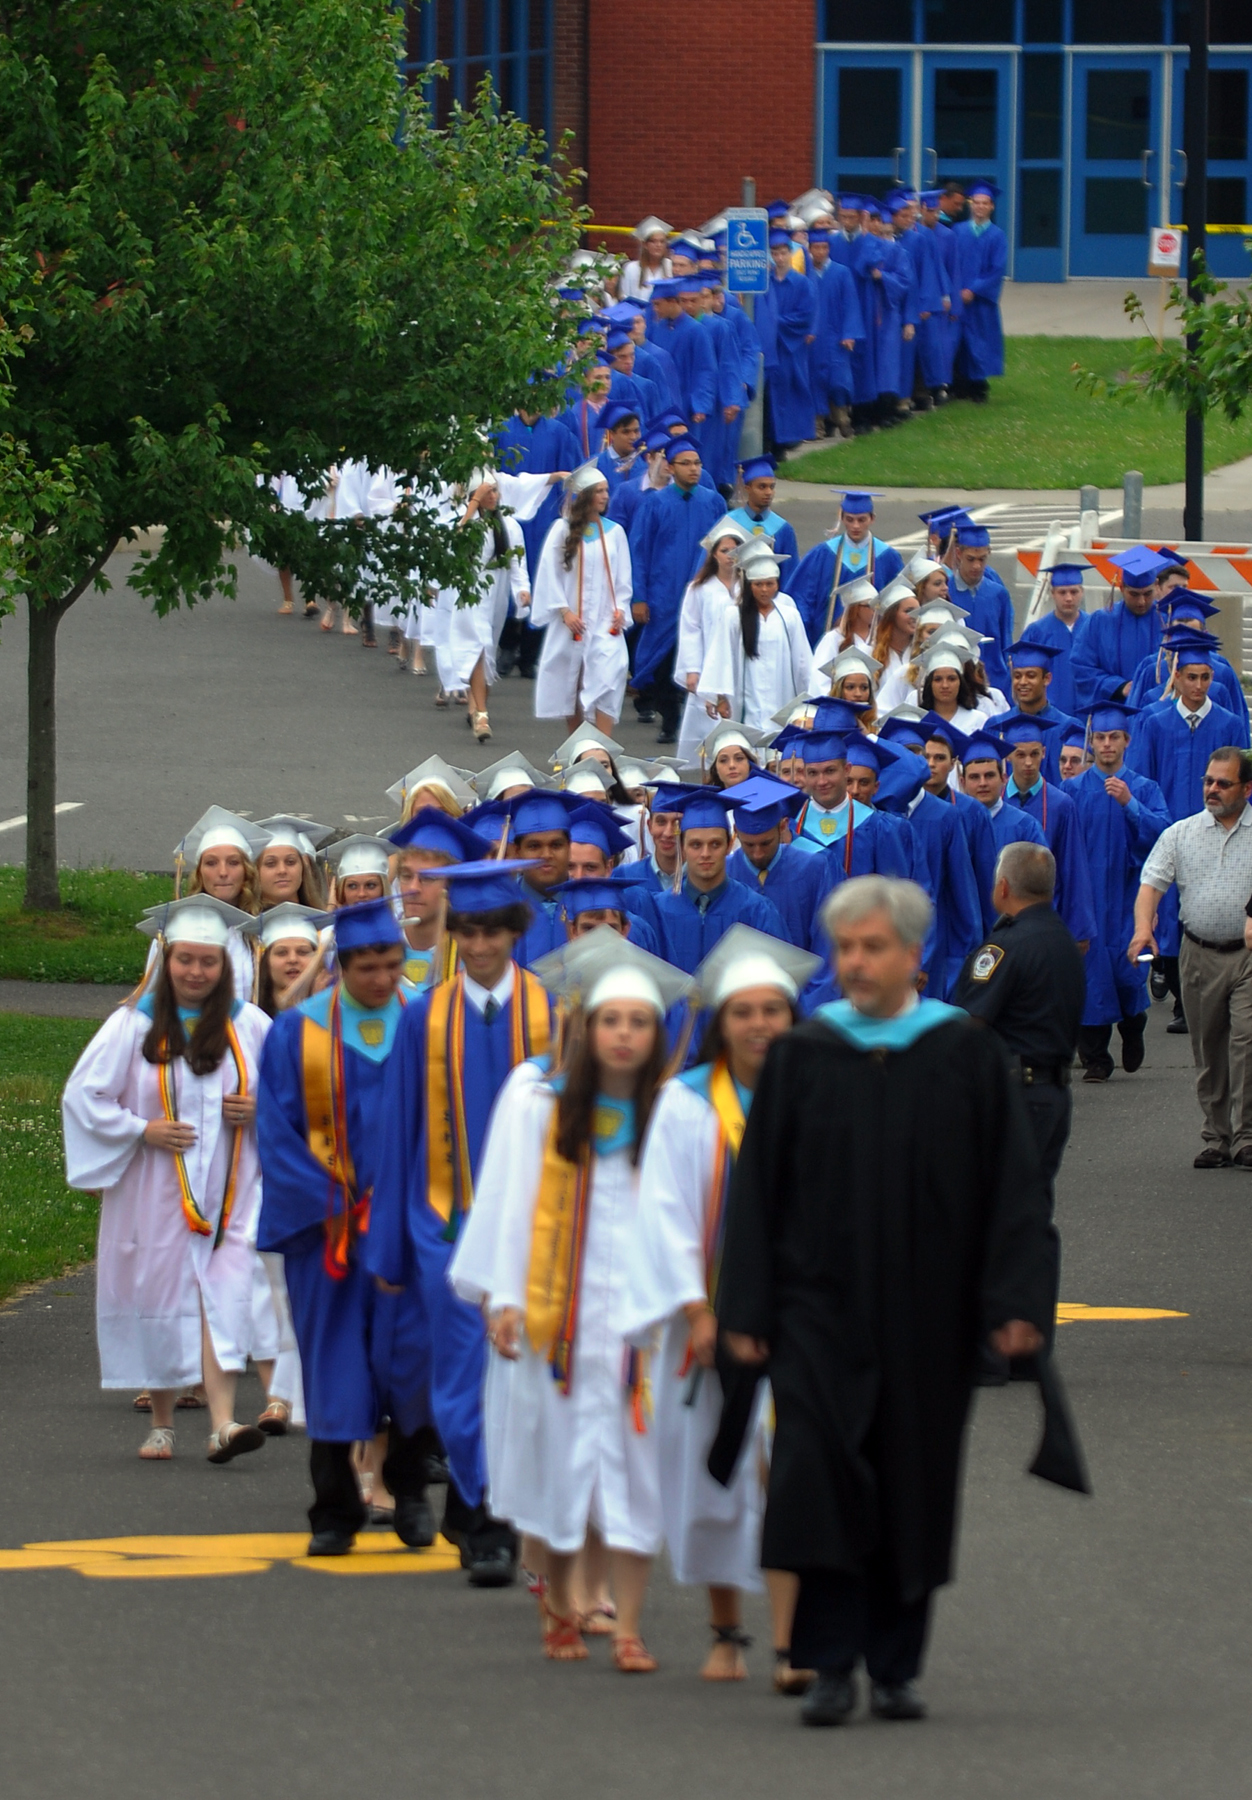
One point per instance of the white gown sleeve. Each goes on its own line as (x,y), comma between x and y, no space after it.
(720,673)
(101,1134)
(801,654)
(519,579)
(477,1268)
(524,493)
(665,1269)
(690,652)
(548,601)
(619,561)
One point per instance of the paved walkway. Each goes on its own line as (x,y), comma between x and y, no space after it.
(61,999)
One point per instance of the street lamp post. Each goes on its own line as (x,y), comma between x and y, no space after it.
(1195,209)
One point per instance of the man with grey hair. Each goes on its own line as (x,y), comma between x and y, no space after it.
(866,1269)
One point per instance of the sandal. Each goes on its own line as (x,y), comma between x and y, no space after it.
(562,1640)
(275,1419)
(234,1440)
(395,638)
(191,1399)
(158,1446)
(738,1639)
(310,609)
(142,1402)
(789,1681)
(632,1656)
(288,606)
(537,1588)
(599,1621)
(482,728)
(441,699)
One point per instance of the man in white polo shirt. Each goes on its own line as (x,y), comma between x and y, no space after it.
(1209,855)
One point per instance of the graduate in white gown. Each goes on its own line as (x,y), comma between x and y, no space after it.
(218,857)
(715,588)
(713,1533)
(854,628)
(759,656)
(569,1445)
(582,595)
(159,1113)
(466,635)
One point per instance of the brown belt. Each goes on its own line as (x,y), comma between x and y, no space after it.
(1226,948)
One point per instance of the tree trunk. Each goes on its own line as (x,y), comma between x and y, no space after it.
(43,891)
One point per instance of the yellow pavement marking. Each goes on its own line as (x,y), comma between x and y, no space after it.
(1074,1312)
(241,1553)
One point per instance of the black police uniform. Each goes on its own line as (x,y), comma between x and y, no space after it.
(1026,981)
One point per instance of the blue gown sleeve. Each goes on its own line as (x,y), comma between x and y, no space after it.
(1093,679)
(404,1093)
(294,1184)
(1075,901)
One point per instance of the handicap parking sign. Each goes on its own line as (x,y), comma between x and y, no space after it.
(747,249)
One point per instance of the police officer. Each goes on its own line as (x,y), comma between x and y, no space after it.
(1026,981)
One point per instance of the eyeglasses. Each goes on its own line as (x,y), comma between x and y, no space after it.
(1217,782)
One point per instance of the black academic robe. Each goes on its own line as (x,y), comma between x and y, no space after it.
(874,1257)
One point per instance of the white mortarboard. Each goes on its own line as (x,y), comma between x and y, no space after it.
(583,737)
(217,829)
(603,966)
(713,227)
(360,855)
(588,476)
(633,773)
(860,592)
(650,226)
(745,958)
(813,196)
(288,921)
(510,771)
(799,706)
(808,210)
(762,566)
(920,566)
(589,777)
(907,711)
(943,656)
(941,612)
(731,528)
(899,589)
(730,732)
(433,772)
(302,834)
(853,662)
(959,637)
(197,919)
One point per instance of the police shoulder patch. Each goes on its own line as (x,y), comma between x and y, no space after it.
(986,962)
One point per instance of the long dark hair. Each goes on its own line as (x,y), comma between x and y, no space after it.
(750,618)
(166,1038)
(616,792)
(709,568)
(500,540)
(582,511)
(576,1103)
(965,695)
(713,1044)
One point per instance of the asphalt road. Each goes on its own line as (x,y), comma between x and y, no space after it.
(1089,1648)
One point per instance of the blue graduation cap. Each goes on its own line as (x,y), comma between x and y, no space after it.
(1075,736)
(838,716)
(702,809)
(983,746)
(1110,715)
(617,339)
(1191,646)
(693,284)
(1184,603)
(615,412)
(1168,555)
(676,445)
(778,209)
(656,439)
(592,894)
(431,829)
(982,186)
(1024,728)
(856,500)
(761,802)
(758,467)
(930,197)
(902,731)
(604,359)
(850,202)
(541,810)
(934,725)
(667,289)
(1025,655)
(670,419)
(789,742)
(861,752)
(368,922)
(622,313)
(973,537)
(595,824)
(899,199)
(485,886)
(823,746)
(1067,574)
(777,238)
(571,293)
(818,234)
(1139,566)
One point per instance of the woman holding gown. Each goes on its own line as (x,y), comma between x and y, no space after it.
(713,590)
(159,1113)
(466,636)
(759,657)
(713,1533)
(582,594)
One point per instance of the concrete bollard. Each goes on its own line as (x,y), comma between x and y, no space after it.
(1132,504)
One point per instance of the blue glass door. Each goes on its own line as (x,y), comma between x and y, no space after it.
(1229,167)
(1116,158)
(967,114)
(866,141)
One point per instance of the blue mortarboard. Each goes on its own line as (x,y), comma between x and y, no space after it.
(822,746)
(777,238)
(622,313)
(677,445)
(850,202)
(902,774)
(667,289)
(1024,728)
(1067,574)
(1171,556)
(935,726)
(857,501)
(778,209)
(657,439)
(702,809)
(667,796)
(1025,655)
(368,922)
(757,466)
(595,824)
(590,328)
(862,753)
(903,731)
(818,234)
(431,829)
(614,412)
(982,186)
(973,537)
(688,243)
(1112,715)
(839,716)
(691,284)
(761,802)
(897,201)
(1139,566)
(485,886)
(617,340)
(571,293)
(589,895)
(670,418)
(1076,735)
(541,810)
(1191,646)
(983,746)
(604,359)
(789,741)
(1183,603)
(930,197)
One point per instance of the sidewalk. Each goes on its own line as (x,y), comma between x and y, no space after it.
(61,999)
(1083,308)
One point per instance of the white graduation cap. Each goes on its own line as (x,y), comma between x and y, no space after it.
(799,707)
(434,772)
(899,589)
(808,210)
(860,592)
(218,829)
(583,738)
(590,777)
(711,228)
(602,966)
(633,773)
(941,612)
(920,566)
(197,919)
(944,656)
(959,637)
(907,711)
(651,226)
(731,528)
(510,771)
(853,661)
(300,834)
(729,732)
(589,475)
(745,958)
(360,855)
(288,920)
(812,197)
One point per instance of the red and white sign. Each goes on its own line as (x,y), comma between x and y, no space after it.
(1164,250)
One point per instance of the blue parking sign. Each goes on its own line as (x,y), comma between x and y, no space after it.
(747,249)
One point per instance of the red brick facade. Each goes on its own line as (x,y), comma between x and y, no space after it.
(730,83)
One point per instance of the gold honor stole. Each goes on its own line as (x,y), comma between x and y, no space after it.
(558,1237)
(731,1123)
(196,1220)
(326,1120)
(449,1174)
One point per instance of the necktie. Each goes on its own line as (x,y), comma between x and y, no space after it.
(490,1010)
(702,903)
(1193,719)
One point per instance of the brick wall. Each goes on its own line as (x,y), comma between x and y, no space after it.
(569,78)
(689,96)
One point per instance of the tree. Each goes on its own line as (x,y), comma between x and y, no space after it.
(232,245)
(1207,367)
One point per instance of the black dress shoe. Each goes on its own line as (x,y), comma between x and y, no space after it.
(494,1568)
(1177,1026)
(1212,1158)
(415,1522)
(897,1700)
(1242,1159)
(646,715)
(830,1701)
(1133,1050)
(1097,1071)
(435,1469)
(330,1543)
(667,737)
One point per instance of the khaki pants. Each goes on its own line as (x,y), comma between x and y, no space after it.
(1217,999)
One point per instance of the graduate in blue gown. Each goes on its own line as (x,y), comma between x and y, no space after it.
(795,883)
(1118,639)
(1053,811)
(1121,815)
(944,866)
(984,774)
(851,553)
(832,824)
(694,357)
(1182,607)
(719,436)
(895,293)
(757,515)
(1030,669)
(982,259)
(595,838)
(975,586)
(933,288)
(943,747)
(427,841)
(1062,630)
(619,456)
(707,903)
(454,1049)
(531,444)
(540,822)
(785,316)
(838,327)
(320,1131)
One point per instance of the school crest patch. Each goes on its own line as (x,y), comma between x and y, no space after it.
(373,1032)
(986,962)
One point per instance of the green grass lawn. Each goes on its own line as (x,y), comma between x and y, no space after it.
(92,938)
(45,1228)
(1037,431)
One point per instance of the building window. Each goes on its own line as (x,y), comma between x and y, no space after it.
(506,41)
(1119,22)
(1039,220)
(1227,200)
(1228,114)
(1228,22)
(869,112)
(1119,114)
(1043,22)
(1041,108)
(969,21)
(966,107)
(1115,207)
(852,22)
